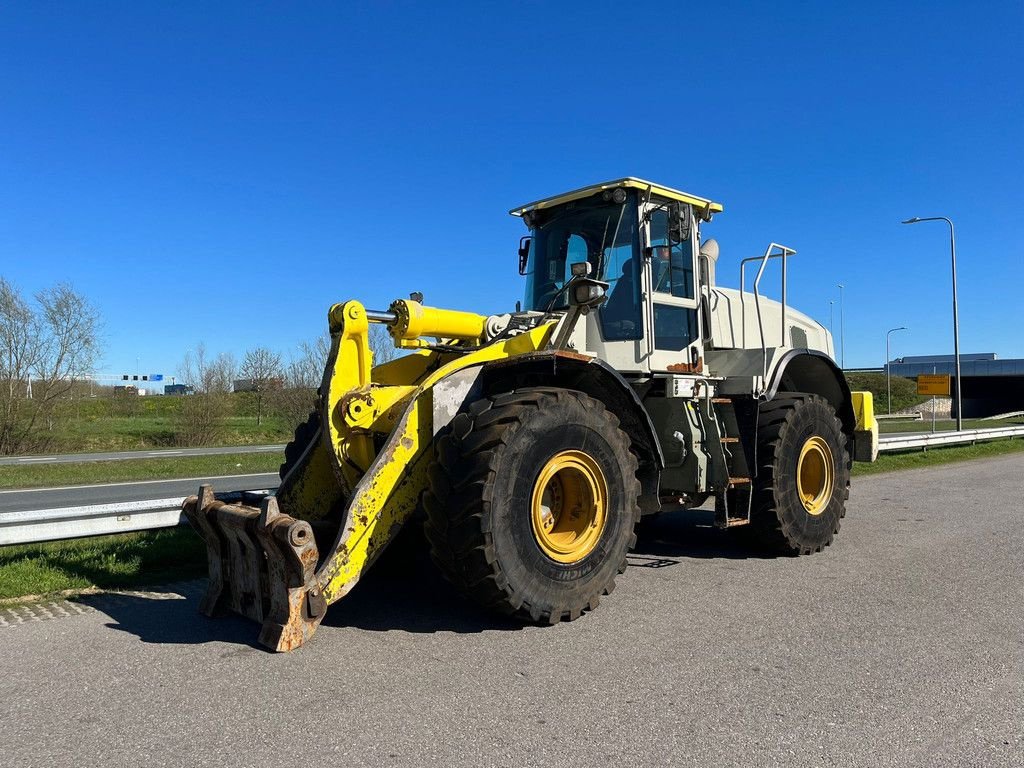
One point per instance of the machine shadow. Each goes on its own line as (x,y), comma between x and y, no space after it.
(171,621)
(670,537)
(405,592)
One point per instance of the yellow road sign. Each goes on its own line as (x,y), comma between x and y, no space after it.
(932,384)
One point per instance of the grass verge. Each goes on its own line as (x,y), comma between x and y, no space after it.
(157,557)
(891,462)
(84,473)
(123,561)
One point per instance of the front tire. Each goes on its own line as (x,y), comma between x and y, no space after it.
(304,434)
(803,483)
(533,502)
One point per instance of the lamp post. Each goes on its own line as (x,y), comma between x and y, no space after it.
(956,323)
(888,388)
(842,328)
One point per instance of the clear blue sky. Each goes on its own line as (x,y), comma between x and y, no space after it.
(223,172)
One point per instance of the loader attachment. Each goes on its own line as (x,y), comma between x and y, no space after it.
(260,562)
(281,560)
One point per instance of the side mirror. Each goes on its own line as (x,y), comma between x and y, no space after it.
(588,293)
(679,220)
(524,253)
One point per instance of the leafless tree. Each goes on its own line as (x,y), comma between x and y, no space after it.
(305,370)
(381,344)
(262,368)
(200,418)
(205,375)
(302,376)
(42,349)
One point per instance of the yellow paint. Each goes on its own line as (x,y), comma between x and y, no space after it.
(389,490)
(347,374)
(630,182)
(815,475)
(416,321)
(569,506)
(866,430)
(864,411)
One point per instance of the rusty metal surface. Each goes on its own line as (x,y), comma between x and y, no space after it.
(690,368)
(262,566)
(294,609)
(191,507)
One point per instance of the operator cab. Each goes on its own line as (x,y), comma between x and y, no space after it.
(643,240)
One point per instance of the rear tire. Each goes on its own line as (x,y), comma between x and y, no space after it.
(533,502)
(804,475)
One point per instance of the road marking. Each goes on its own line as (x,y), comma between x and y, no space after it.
(164,453)
(39,458)
(134,482)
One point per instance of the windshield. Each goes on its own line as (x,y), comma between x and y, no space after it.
(601,232)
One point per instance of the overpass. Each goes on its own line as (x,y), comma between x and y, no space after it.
(990,386)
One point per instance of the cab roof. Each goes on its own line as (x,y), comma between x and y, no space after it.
(630,182)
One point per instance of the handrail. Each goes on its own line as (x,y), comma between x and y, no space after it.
(783,252)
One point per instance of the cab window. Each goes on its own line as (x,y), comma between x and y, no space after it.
(671,263)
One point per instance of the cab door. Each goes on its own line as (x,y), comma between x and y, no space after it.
(674,337)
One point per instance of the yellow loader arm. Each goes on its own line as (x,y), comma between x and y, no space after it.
(357,481)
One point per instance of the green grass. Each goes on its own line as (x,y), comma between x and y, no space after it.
(890,462)
(105,423)
(108,562)
(141,432)
(84,473)
(904,391)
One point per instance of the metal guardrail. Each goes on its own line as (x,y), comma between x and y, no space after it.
(29,527)
(897,442)
(124,517)
(93,520)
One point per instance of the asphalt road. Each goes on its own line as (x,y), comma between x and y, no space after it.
(74,458)
(80,495)
(900,645)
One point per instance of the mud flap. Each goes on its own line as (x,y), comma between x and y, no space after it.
(261,565)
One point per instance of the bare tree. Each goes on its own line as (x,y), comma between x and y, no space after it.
(200,418)
(262,369)
(302,376)
(305,371)
(381,344)
(42,349)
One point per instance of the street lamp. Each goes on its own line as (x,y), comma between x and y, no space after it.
(888,388)
(842,328)
(956,323)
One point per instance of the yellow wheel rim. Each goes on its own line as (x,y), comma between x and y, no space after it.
(815,475)
(569,506)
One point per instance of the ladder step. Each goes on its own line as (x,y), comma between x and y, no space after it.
(730,439)
(738,480)
(732,522)
(721,400)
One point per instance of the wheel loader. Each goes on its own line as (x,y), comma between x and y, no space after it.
(532,442)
